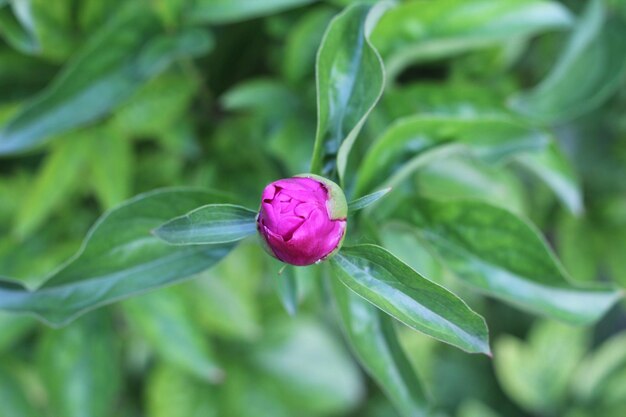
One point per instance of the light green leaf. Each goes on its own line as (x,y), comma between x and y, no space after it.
(119,258)
(172,393)
(361,203)
(551,166)
(168,326)
(350,81)
(12,397)
(418,31)
(290,356)
(600,369)
(111,164)
(57,179)
(302,43)
(389,284)
(537,374)
(210,224)
(85,356)
(374,342)
(229,11)
(574,87)
(108,70)
(504,256)
(492,138)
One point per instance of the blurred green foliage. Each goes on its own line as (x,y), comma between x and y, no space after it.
(517,105)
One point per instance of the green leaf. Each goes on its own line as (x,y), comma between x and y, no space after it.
(12,396)
(111,163)
(85,356)
(597,371)
(210,224)
(492,138)
(536,374)
(290,357)
(361,203)
(373,339)
(504,256)
(229,11)
(574,87)
(57,179)
(172,393)
(13,328)
(286,286)
(16,28)
(119,258)
(168,326)
(420,31)
(108,70)
(350,81)
(555,170)
(302,42)
(389,284)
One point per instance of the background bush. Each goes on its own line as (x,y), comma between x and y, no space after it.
(103,100)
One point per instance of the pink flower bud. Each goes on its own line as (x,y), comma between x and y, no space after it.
(302,219)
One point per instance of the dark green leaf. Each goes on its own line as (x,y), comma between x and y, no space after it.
(504,256)
(229,11)
(350,81)
(164,320)
(389,284)
(210,224)
(422,30)
(119,258)
(574,87)
(374,342)
(19,34)
(361,203)
(492,138)
(85,357)
(124,54)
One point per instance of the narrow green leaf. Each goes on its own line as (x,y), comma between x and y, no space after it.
(229,11)
(391,285)
(110,68)
(504,256)
(350,81)
(374,342)
(575,87)
(210,224)
(551,166)
(420,31)
(85,356)
(119,258)
(361,203)
(167,324)
(492,138)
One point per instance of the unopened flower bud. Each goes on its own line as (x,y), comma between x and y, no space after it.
(302,219)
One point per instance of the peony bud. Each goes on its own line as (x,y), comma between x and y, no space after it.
(302,219)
